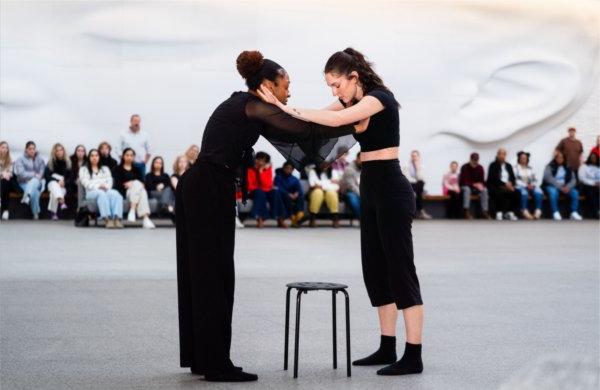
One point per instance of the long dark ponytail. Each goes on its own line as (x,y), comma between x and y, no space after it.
(349,60)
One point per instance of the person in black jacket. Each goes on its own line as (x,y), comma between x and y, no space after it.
(158,186)
(128,180)
(58,176)
(106,158)
(501,184)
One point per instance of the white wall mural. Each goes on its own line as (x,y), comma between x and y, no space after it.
(469,75)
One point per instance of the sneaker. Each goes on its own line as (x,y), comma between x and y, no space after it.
(131,215)
(511,216)
(575,216)
(5,215)
(54,217)
(117,223)
(499,216)
(423,215)
(147,224)
(36,216)
(238,223)
(526,214)
(556,216)
(109,223)
(25,199)
(537,214)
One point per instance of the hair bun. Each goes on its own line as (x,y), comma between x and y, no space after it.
(249,62)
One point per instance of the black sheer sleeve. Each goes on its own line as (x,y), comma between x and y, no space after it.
(299,141)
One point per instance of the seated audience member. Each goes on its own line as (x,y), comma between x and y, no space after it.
(472,181)
(527,185)
(322,188)
(192,153)
(6,178)
(106,158)
(338,167)
(350,185)
(266,200)
(128,180)
(558,178)
(291,193)
(78,160)
(180,165)
(158,186)
(501,185)
(415,177)
(596,149)
(451,189)
(58,178)
(589,178)
(98,184)
(29,169)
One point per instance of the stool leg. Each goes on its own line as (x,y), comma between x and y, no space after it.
(347,332)
(334,318)
(287,328)
(298,298)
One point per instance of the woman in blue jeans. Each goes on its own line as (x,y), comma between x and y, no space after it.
(98,184)
(559,178)
(29,170)
(527,184)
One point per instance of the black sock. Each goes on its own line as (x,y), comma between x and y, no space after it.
(410,363)
(386,353)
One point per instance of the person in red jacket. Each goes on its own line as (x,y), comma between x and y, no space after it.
(596,149)
(266,200)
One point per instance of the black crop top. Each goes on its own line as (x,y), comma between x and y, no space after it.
(384,127)
(236,124)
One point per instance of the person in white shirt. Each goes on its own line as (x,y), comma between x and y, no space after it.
(322,188)
(527,184)
(98,182)
(414,174)
(589,178)
(136,139)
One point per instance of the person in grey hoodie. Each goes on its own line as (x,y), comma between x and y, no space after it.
(29,169)
(559,178)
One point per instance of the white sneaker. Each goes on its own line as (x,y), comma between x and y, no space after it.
(147,224)
(131,215)
(36,216)
(238,223)
(575,216)
(25,199)
(537,214)
(499,216)
(511,216)
(5,215)
(556,216)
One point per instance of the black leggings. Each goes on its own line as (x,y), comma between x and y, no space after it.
(5,187)
(387,212)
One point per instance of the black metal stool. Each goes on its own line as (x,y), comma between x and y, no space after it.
(303,288)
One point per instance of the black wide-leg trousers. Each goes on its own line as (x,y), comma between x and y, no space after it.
(387,212)
(205,238)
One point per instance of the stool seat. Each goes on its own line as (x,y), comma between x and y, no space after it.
(317,286)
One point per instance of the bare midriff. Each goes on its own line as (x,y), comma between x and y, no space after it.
(380,154)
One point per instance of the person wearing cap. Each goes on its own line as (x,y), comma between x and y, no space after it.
(501,184)
(472,181)
(572,150)
(527,185)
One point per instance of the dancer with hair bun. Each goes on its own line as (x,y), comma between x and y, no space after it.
(387,203)
(205,204)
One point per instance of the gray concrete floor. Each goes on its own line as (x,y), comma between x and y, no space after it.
(508,305)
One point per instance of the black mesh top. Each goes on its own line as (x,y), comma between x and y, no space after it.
(237,123)
(384,127)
